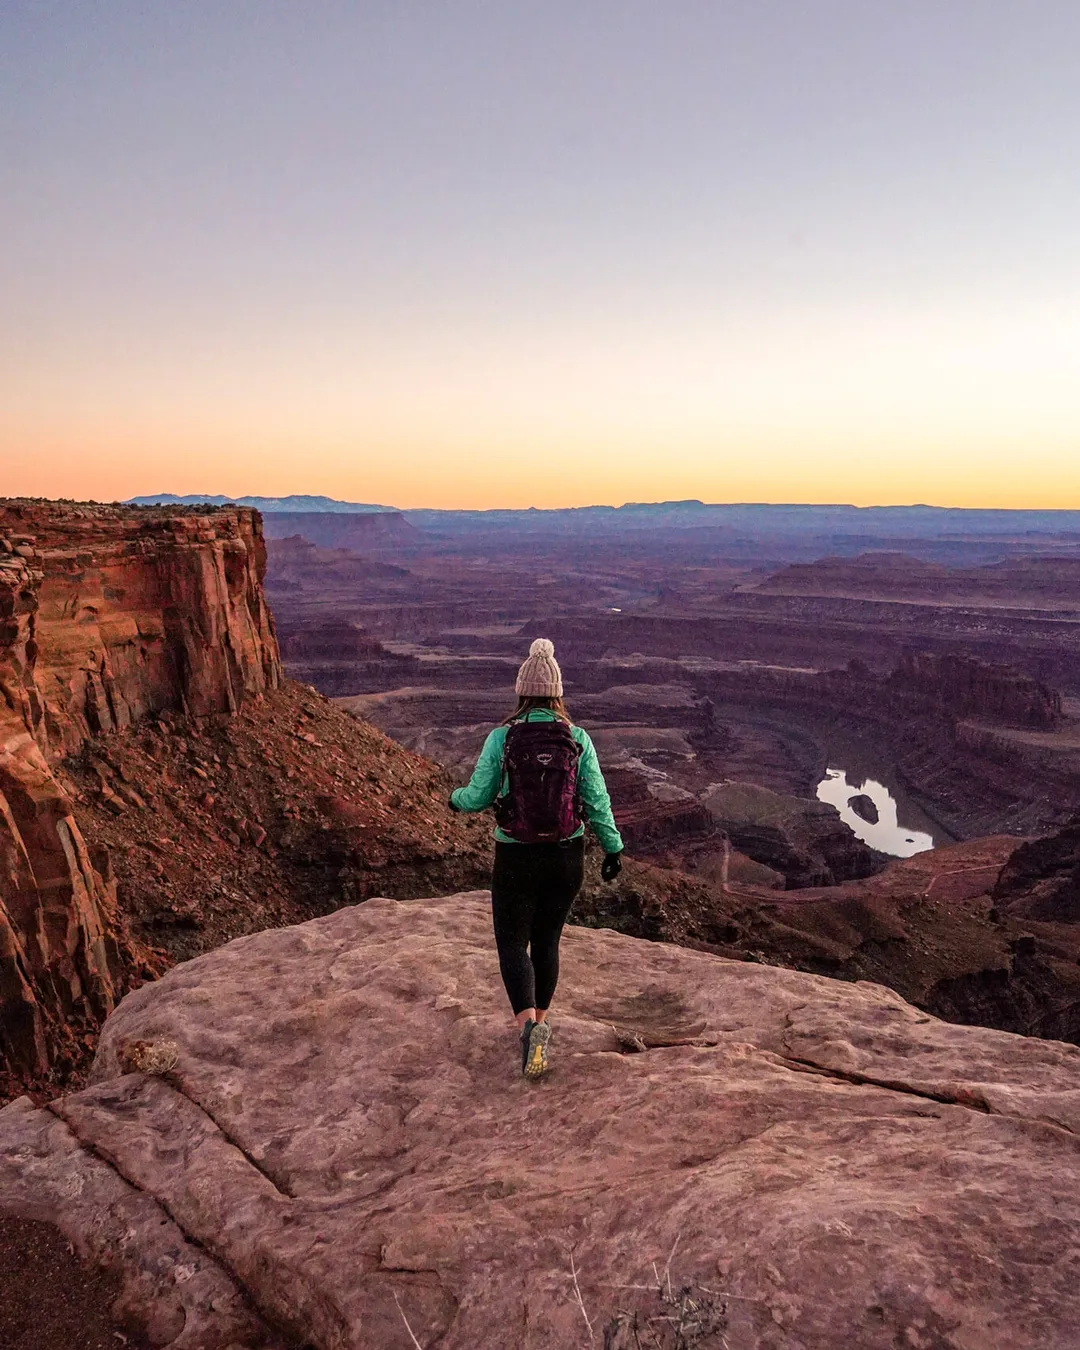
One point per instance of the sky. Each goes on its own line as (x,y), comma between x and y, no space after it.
(479,253)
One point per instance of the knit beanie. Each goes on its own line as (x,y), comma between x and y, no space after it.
(540,675)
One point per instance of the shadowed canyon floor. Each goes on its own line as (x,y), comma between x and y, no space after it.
(343,1141)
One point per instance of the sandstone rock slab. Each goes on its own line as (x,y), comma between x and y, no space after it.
(185,1298)
(346,1132)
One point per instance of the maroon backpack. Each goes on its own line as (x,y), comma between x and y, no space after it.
(541,805)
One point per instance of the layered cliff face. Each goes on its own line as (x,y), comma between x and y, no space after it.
(804,840)
(107,614)
(966,687)
(131,611)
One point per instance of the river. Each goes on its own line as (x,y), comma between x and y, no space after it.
(887,835)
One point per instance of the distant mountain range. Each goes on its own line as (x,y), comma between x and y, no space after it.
(297,502)
(752,519)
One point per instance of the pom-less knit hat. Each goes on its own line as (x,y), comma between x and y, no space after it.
(539,675)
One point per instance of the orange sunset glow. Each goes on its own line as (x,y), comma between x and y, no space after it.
(459,266)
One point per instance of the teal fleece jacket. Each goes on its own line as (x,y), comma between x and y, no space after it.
(487,783)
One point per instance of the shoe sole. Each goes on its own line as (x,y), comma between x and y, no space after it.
(536,1063)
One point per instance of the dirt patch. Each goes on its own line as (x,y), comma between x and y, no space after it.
(49,1300)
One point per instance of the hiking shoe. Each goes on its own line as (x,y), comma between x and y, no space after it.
(534,1044)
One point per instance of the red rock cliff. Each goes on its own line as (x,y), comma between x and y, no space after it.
(964,686)
(106,614)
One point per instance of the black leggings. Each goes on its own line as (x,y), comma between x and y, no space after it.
(532,889)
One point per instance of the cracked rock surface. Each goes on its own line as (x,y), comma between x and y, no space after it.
(345,1142)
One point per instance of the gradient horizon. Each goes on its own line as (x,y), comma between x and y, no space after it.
(482,257)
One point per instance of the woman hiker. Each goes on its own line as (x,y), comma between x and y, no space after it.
(541,774)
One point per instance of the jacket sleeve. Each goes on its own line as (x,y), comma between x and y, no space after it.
(595,799)
(484,785)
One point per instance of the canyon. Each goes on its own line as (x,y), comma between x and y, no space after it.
(948,673)
(200,797)
(166,789)
(742,698)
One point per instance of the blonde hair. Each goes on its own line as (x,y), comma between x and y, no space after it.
(527,702)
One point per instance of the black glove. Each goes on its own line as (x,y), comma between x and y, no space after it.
(611,866)
(450,803)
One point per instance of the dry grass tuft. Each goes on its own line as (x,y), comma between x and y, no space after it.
(156,1057)
(670,1319)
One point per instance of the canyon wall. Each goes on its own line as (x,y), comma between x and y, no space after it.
(1019,771)
(963,686)
(107,614)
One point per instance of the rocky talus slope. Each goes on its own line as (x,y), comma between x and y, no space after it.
(1041,881)
(338,1150)
(288,810)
